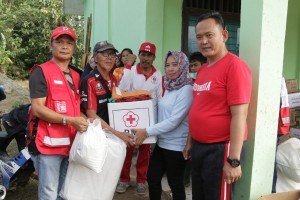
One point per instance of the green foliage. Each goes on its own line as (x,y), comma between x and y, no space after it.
(4,55)
(16,104)
(26,27)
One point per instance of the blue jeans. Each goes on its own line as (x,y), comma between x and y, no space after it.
(52,170)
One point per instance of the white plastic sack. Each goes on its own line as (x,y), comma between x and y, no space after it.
(285,184)
(90,148)
(288,159)
(83,183)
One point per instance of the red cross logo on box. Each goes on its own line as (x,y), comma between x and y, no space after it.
(131,119)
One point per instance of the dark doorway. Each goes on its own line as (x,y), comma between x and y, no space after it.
(192,9)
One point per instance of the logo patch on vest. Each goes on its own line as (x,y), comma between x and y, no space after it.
(59,82)
(98,86)
(61,106)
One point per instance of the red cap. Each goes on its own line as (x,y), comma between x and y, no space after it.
(63,30)
(149,47)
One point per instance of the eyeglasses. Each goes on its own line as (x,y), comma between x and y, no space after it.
(106,55)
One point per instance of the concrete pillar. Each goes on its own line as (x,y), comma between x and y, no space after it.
(263,27)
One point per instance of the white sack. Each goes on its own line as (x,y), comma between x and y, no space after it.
(83,183)
(90,148)
(288,159)
(285,184)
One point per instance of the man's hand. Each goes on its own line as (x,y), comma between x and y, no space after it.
(79,123)
(127,138)
(231,174)
(131,59)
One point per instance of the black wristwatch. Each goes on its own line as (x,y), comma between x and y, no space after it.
(233,162)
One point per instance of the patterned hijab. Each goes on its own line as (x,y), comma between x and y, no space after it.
(184,77)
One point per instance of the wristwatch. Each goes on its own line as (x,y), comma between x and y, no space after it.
(233,162)
(64,121)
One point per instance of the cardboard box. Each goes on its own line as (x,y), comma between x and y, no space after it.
(295,116)
(292,117)
(295,132)
(291,85)
(291,195)
(127,115)
(294,99)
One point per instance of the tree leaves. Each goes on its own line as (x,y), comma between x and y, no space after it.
(26,26)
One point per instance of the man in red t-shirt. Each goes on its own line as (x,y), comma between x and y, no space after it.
(217,118)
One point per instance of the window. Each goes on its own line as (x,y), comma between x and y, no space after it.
(192,9)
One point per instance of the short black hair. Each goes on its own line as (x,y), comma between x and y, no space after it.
(212,15)
(198,57)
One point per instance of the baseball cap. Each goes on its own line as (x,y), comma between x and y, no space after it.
(63,30)
(149,47)
(103,45)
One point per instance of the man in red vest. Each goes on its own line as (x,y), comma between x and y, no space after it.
(55,115)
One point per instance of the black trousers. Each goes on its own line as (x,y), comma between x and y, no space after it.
(207,170)
(173,164)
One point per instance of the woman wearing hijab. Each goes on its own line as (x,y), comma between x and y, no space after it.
(172,128)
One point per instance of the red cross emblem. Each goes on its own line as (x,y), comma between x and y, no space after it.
(130,119)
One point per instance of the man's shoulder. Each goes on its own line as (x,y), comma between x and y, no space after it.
(158,72)
(89,77)
(235,58)
(76,69)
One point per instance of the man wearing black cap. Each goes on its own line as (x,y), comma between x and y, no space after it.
(95,88)
(142,76)
(55,115)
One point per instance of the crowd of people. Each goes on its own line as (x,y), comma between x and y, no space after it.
(201,104)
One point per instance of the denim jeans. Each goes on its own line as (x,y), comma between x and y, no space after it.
(52,170)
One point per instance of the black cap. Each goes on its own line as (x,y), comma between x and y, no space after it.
(103,45)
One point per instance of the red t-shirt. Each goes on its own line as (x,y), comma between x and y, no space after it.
(227,82)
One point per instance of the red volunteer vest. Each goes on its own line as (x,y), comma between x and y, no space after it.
(52,138)
(284,112)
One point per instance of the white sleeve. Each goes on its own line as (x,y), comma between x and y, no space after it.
(126,80)
(159,90)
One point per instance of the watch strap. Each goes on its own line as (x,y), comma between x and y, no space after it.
(64,121)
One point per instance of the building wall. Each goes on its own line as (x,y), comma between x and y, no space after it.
(129,23)
(262,41)
(292,42)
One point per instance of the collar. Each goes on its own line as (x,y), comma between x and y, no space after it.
(112,78)
(139,71)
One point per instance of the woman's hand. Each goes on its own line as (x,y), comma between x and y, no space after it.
(140,136)
(187,151)
(188,148)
